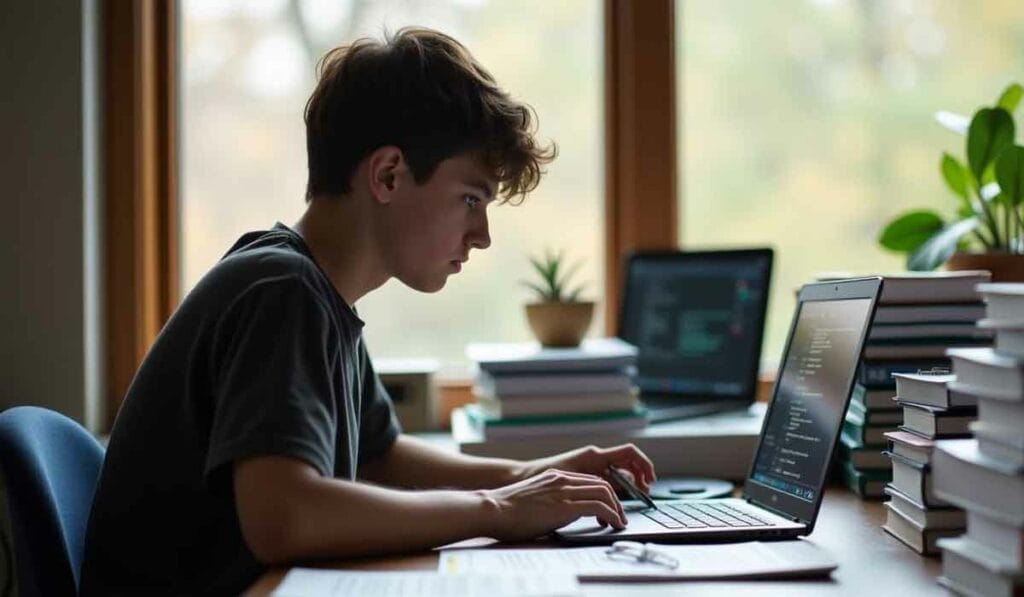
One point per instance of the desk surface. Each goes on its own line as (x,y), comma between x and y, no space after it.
(848,528)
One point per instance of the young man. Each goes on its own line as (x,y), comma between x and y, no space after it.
(256,431)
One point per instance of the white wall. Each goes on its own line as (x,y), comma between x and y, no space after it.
(49,207)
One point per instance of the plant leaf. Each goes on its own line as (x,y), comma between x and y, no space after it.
(989,191)
(952,121)
(910,230)
(1010,98)
(1010,174)
(937,249)
(540,291)
(990,132)
(955,176)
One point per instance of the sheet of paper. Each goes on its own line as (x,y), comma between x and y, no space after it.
(309,582)
(733,560)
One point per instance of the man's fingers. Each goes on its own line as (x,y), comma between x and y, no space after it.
(594,492)
(577,477)
(601,511)
(635,460)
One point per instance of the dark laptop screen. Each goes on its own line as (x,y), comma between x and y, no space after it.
(697,320)
(813,387)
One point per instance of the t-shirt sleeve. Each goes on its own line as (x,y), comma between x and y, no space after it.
(275,350)
(378,424)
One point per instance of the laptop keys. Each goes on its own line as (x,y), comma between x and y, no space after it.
(700,515)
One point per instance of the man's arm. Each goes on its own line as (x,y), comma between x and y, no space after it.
(288,512)
(414,463)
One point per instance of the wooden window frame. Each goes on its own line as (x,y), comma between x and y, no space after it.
(141,183)
(640,137)
(141,163)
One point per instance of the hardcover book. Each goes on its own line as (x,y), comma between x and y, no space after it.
(983,371)
(971,569)
(915,481)
(867,483)
(930,390)
(922,540)
(934,422)
(592,354)
(965,477)
(923,516)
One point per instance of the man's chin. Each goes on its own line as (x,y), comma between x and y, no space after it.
(428,286)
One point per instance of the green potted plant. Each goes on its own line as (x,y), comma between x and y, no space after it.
(987,230)
(557,317)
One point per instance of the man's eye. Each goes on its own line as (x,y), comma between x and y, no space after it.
(472,200)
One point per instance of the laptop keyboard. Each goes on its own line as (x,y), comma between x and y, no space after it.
(703,515)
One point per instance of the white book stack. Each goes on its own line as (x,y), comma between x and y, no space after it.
(526,391)
(985,475)
(931,411)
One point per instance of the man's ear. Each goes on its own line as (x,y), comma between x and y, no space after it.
(386,167)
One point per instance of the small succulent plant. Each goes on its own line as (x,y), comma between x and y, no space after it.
(554,278)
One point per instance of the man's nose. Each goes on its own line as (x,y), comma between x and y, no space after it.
(480,237)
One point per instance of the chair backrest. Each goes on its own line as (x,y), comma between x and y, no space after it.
(50,465)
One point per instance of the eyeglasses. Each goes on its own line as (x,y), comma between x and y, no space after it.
(638,552)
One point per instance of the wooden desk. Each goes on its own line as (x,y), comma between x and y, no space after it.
(869,561)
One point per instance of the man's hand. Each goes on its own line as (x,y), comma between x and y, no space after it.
(592,460)
(552,499)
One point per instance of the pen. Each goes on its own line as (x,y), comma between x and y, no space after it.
(631,489)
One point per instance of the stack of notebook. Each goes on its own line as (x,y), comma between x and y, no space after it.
(524,390)
(919,316)
(985,475)
(931,410)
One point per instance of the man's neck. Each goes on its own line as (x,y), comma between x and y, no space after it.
(340,237)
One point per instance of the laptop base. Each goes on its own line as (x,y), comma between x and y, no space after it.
(641,528)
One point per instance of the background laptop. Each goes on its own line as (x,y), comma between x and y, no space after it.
(784,488)
(697,319)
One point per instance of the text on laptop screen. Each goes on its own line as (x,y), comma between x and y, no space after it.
(812,390)
(694,322)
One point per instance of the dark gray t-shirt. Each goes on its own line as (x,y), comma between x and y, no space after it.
(262,358)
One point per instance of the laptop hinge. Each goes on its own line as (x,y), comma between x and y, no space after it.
(774,511)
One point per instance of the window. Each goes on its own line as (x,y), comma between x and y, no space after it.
(247,72)
(807,124)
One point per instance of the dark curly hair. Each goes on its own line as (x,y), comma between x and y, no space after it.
(422,91)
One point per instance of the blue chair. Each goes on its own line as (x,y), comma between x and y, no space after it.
(50,465)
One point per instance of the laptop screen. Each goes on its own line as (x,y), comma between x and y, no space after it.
(697,319)
(811,396)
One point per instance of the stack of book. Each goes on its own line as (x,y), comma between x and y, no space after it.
(526,391)
(919,316)
(931,410)
(985,475)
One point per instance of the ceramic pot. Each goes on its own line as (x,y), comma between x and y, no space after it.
(1005,267)
(559,324)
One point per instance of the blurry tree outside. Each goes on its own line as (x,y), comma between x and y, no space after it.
(808,124)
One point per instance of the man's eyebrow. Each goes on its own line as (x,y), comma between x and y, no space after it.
(484,188)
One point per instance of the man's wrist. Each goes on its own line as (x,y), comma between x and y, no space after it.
(487,510)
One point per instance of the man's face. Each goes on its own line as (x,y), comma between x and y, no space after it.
(430,228)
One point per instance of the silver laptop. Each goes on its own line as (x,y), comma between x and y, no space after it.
(783,491)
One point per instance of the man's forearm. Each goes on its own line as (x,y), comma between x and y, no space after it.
(414,463)
(315,517)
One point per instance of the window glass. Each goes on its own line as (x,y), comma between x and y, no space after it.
(247,72)
(808,124)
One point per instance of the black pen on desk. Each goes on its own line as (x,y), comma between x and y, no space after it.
(631,489)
